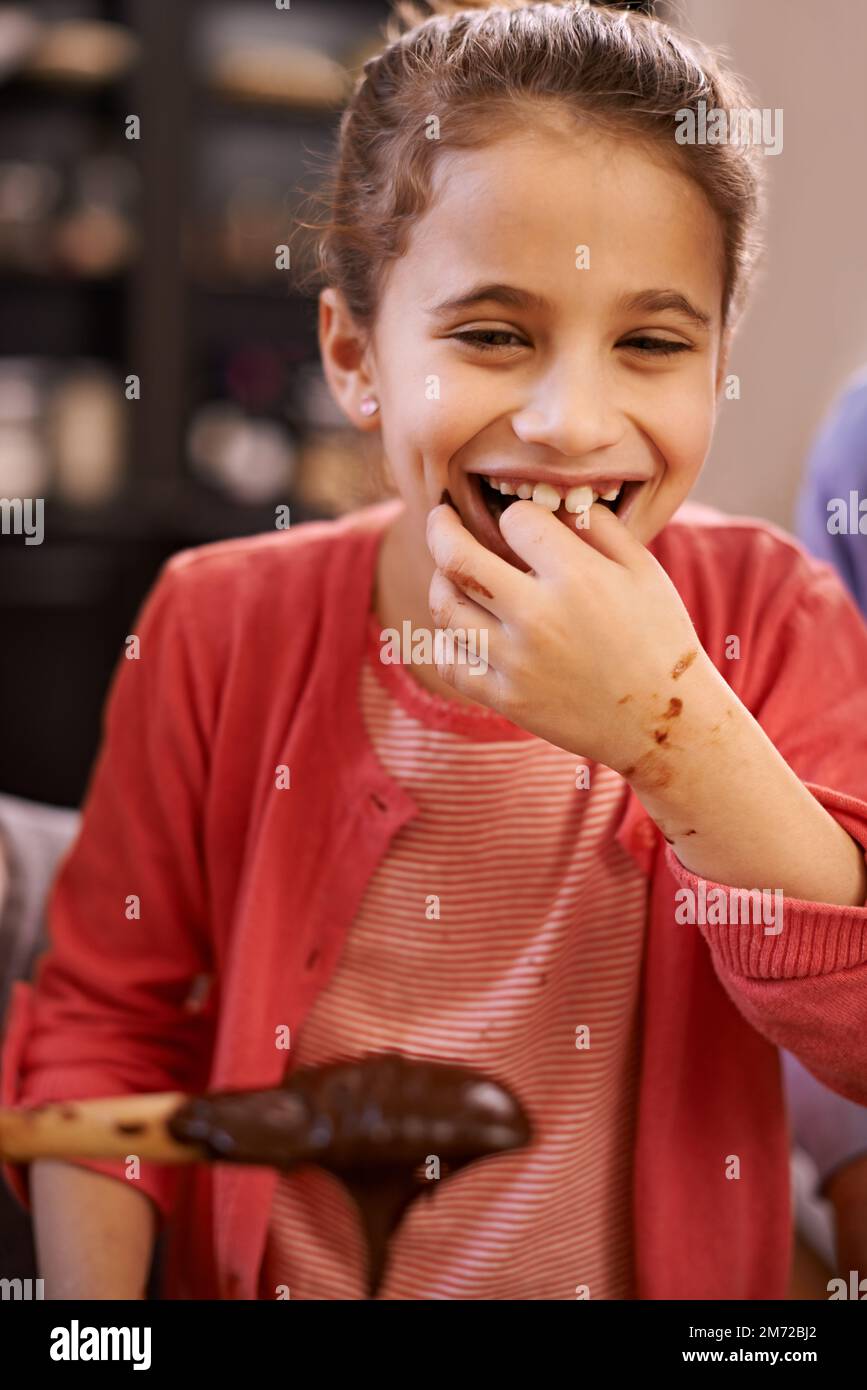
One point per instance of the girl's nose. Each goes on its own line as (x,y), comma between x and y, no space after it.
(574,415)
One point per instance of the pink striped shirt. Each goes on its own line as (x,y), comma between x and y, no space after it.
(504,918)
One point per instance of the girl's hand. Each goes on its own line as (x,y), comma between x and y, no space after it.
(594,651)
(588,650)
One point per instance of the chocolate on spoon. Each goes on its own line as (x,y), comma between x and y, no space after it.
(372,1123)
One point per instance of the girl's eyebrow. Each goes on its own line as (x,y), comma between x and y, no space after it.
(508,295)
(646,301)
(664,301)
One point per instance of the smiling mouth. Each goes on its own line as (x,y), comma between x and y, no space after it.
(480,502)
(498,494)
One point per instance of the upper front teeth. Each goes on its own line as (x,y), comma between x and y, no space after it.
(577,498)
(545,495)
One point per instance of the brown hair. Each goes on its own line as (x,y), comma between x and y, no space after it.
(473,66)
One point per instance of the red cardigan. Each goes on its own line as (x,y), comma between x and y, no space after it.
(250,657)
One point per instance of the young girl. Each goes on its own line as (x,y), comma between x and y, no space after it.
(530,868)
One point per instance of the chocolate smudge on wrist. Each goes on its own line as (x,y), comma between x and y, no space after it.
(683,664)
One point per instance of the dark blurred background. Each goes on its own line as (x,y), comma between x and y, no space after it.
(152,251)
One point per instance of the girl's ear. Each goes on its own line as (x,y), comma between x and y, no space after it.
(346,360)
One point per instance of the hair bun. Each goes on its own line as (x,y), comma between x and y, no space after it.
(426,8)
(414,12)
(423,9)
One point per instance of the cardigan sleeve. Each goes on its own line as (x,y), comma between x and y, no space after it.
(113,1009)
(801,980)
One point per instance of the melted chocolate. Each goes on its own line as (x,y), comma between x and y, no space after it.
(372,1123)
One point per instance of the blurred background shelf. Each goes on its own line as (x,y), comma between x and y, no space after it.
(152,258)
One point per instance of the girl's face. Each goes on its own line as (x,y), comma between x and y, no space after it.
(555,319)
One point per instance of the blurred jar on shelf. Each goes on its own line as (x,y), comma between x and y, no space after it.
(30,196)
(62,431)
(20,33)
(250,55)
(24,463)
(86,429)
(97,235)
(81,52)
(251,460)
(232,240)
(81,222)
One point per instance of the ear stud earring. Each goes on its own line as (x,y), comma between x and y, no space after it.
(369,405)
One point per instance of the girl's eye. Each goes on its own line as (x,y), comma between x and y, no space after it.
(661,347)
(489,339)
